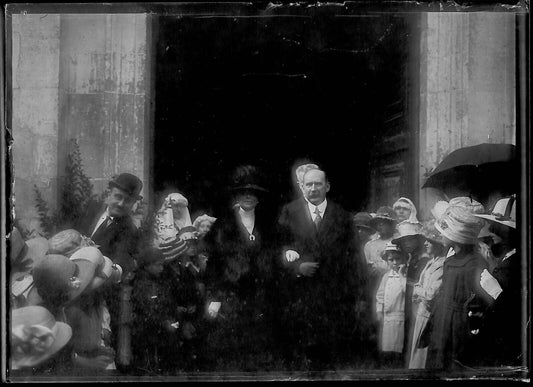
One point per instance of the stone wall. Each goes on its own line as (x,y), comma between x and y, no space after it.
(81,76)
(34,121)
(467,86)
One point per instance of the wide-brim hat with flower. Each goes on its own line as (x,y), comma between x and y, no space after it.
(439,209)
(384,213)
(459,225)
(95,268)
(57,273)
(35,336)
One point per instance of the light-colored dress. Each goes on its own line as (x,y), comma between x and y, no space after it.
(390,300)
(424,293)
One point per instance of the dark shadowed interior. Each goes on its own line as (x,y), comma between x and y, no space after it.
(271,92)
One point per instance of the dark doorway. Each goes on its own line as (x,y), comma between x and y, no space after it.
(271,91)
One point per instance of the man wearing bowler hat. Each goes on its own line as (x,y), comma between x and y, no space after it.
(111,227)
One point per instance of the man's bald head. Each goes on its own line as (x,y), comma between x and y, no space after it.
(315,186)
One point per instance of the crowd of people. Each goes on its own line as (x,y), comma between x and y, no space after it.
(315,288)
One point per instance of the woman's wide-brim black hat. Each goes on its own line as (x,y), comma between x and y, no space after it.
(253,187)
(248,177)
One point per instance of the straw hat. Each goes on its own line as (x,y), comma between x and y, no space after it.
(409,230)
(459,225)
(25,254)
(67,242)
(473,206)
(384,213)
(54,275)
(439,209)
(504,212)
(363,219)
(95,269)
(35,336)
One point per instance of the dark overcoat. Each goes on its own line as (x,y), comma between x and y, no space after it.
(241,274)
(118,241)
(453,338)
(321,309)
(502,328)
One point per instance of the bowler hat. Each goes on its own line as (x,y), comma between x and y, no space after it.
(35,336)
(129,183)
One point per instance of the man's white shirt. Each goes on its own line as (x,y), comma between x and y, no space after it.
(321,207)
(101,220)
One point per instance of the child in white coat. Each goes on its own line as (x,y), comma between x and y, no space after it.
(390,305)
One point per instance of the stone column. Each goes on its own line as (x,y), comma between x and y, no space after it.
(103,93)
(467,86)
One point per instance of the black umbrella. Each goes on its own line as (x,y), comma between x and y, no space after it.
(479,169)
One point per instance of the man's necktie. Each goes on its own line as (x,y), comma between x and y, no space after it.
(103,226)
(318,218)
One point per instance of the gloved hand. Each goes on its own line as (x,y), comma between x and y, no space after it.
(213,308)
(308,269)
(291,255)
(490,284)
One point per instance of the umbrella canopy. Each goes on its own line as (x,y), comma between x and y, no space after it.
(478,169)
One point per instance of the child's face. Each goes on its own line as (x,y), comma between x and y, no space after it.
(430,247)
(155,268)
(192,248)
(394,260)
(204,228)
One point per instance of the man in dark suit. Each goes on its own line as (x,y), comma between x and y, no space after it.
(111,227)
(325,281)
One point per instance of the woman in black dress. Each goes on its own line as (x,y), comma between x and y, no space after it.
(241,275)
